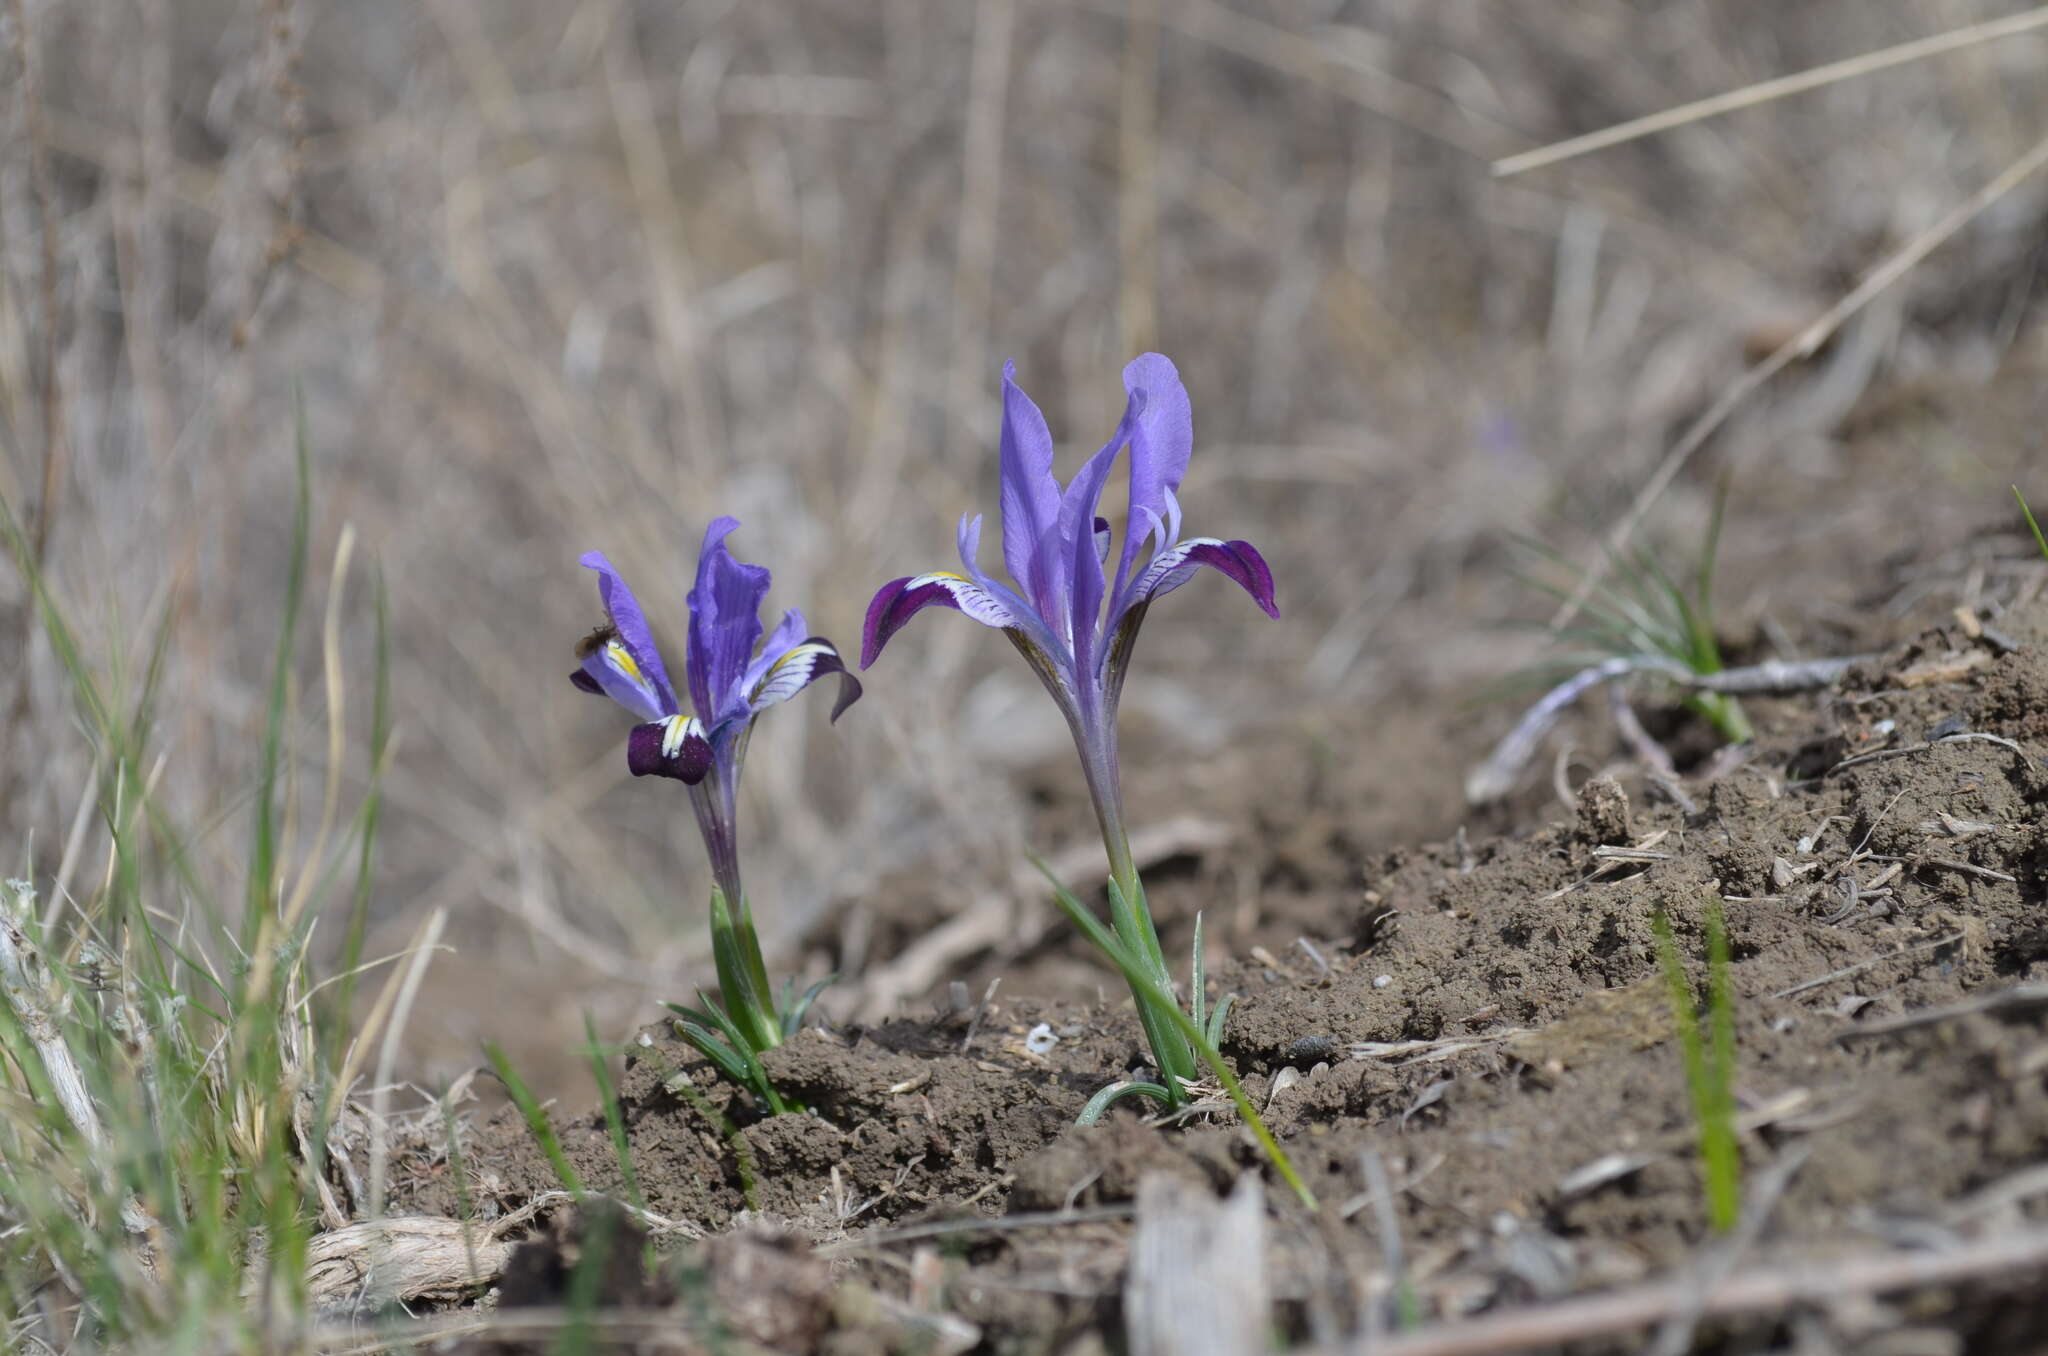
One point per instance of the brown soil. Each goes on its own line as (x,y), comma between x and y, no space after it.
(1486,1015)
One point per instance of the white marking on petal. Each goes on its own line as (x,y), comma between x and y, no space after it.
(968,596)
(675,730)
(792,673)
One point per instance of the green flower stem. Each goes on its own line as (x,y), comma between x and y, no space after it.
(1132,923)
(1158,999)
(742,973)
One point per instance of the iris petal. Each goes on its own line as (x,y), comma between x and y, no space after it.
(675,747)
(630,627)
(901,599)
(1239,560)
(725,620)
(1030,495)
(800,666)
(608,668)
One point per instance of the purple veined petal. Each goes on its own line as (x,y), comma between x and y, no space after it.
(629,626)
(799,667)
(725,619)
(1075,605)
(901,599)
(609,669)
(1030,496)
(674,747)
(789,633)
(1141,524)
(1101,540)
(968,539)
(1161,442)
(1239,560)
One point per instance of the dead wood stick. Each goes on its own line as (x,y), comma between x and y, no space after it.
(2016,998)
(1906,749)
(31,991)
(1496,776)
(1760,1290)
(1860,966)
(1197,1280)
(367,1267)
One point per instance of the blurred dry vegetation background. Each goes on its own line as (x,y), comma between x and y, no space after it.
(555,276)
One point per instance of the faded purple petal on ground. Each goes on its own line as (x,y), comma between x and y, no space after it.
(669,748)
(725,622)
(1239,560)
(1030,496)
(623,610)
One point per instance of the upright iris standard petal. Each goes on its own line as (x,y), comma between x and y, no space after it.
(1160,446)
(1030,496)
(725,623)
(1081,581)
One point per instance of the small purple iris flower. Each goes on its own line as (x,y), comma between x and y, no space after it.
(1073,622)
(730,684)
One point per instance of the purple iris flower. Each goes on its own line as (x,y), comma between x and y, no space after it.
(1073,621)
(730,683)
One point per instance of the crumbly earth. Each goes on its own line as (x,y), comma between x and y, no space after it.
(1486,1016)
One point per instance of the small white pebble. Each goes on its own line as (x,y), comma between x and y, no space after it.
(1382,981)
(1040,1040)
(645,1040)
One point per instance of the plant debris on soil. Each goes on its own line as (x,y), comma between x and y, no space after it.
(1469,1055)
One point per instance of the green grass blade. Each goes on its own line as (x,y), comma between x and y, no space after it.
(793,1013)
(370,817)
(263,846)
(614,1117)
(2032,526)
(1214,1031)
(1709,1079)
(1722,1152)
(1116,1092)
(535,1116)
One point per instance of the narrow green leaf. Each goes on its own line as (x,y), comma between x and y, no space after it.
(2032,526)
(614,1117)
(1143,989)
(535,1116)
(263,842)
(1116,1092)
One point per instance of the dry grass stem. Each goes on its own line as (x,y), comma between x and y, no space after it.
(1749,96)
